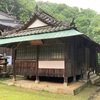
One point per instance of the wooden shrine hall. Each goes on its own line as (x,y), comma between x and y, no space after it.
(44,46)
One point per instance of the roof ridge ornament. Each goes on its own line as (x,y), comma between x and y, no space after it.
(73,22)
(9,11)
(36,8)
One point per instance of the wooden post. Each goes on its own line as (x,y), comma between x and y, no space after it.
(37,64)
(87,58)
(13,60)
(65,74)
(97,63)
(65,67)
(75,59)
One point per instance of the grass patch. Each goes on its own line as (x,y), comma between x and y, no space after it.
(3,79)
(15,93)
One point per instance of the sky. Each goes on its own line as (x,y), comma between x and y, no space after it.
(92,4)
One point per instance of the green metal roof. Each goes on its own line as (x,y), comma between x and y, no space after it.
(59,34)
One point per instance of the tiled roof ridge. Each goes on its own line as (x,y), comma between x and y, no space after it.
(47,18)
(36,31)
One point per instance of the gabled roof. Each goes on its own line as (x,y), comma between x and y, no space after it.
(52,29)
(52,25)
(44,17)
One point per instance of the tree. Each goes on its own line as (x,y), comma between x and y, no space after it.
(6,5)
(84,18)
(94,28)
(24,9)
(82,23)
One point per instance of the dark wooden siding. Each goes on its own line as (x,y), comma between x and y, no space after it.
(47,52)
(51,52)
(26,53)
(76,55)
(28,68)
(51,72)
(25,67)
(80,54)
(93,58)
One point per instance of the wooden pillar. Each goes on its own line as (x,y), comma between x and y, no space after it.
(75,54)
(96,62)
(65,66)
(87,58)
(37,66)
(13,61)
(65,74)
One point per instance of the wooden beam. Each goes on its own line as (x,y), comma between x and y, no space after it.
(62,40)
(36,42)
(18,45)
(96,62)
(74,59)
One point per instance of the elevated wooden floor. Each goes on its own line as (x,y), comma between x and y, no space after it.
(73,88)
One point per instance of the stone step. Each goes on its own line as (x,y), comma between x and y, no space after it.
(92,76)
(91,73)
(97,83)
(95,79)
(98,80)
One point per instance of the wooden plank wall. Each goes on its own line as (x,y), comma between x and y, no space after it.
(76,52)
(72,68)
(47,52)
(74,56)
(25,67)
(51,72)
(28,67)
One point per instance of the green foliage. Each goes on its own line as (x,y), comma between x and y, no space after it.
(94,28)
(24,9)
(82,22)
(6,3)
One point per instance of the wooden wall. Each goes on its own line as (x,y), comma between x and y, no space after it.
(81,55)
(50,62)
(25,67)
(28,68)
